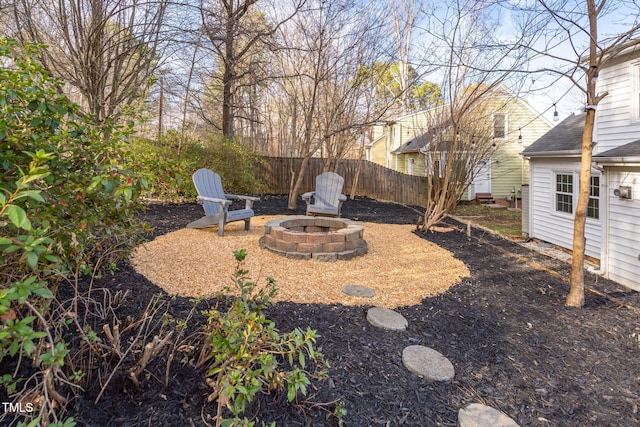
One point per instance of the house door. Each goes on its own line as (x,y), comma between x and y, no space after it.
(482,177)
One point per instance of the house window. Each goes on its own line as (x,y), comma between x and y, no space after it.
(410,167)
(436,165)
(499,126)
(564,193)
(593,208)
(437,168)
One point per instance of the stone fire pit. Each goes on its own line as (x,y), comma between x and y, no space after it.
(319,238)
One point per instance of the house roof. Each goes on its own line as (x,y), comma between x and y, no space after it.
(415,144)
(623,154)
(380,138)
(422,144)
(563,139)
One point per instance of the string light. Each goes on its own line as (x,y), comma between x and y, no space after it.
(556,117)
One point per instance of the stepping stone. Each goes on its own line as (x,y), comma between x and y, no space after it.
(386,319)
(358,291)
(427,363)
(477,415)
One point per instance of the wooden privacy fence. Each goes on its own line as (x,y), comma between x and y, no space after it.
(373,180)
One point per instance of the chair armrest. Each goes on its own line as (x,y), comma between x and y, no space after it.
(237,197)
(247,199)
(342,198)
(308,195)
(222,202)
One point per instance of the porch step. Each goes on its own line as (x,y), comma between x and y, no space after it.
(485,198)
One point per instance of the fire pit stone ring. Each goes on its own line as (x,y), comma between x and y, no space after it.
(319,238)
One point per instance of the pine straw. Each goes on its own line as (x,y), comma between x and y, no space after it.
(400,267)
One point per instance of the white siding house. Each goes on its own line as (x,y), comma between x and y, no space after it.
(613,223)
(550,220)
(618,155)
(621,251)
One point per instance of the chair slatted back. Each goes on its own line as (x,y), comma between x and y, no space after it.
(328,189)
(209,184)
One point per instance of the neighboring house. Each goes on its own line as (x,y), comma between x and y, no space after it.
(613,218)
(403,145)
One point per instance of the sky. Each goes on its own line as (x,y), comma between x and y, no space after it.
(547,90)
(499,23)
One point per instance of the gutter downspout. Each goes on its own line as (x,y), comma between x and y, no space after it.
(604,225)
(530,207)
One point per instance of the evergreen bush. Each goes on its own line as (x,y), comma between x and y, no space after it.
(169,163)
(68,207)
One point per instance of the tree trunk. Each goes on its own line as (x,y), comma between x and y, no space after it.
(227,104)
(575,298)
(186,95)
(228,79)
(293,194)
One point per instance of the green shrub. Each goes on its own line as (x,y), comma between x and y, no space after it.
(88,197)
(68,207)
(168,164)
(245,353)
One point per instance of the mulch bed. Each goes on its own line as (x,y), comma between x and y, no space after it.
(514,344)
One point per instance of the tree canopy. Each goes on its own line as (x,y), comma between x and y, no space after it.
(385,80)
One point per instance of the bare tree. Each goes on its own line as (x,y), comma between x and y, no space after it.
(405,15)
(7,21)
(326,46)
(104,50)
(458,141)
(571,26)
(388,90)
(238,30)
(476,67)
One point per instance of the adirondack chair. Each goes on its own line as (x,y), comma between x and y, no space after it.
(216,203)
(327,200)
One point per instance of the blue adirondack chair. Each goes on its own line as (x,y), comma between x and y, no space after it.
(216,203)
(327,199)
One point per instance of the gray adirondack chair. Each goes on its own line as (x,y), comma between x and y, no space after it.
(327,200)
(216,203)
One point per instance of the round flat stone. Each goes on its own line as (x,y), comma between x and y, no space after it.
(427,363)
(386,319)
(358,291)
(477,415)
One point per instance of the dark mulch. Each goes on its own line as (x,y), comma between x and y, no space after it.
(514,344)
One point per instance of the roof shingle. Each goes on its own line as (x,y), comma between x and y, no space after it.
(630,151)
(565,137)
